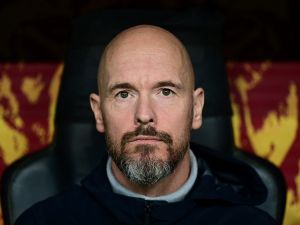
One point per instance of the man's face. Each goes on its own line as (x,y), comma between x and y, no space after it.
(146,110)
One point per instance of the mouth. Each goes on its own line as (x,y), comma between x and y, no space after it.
(145,139)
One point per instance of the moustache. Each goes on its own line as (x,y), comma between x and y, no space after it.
(147,131)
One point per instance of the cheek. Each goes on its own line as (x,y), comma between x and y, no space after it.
(117,121)
(176,118)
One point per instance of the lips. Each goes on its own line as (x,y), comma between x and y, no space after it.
(144,138)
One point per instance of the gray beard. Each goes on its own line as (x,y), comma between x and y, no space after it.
(147,170)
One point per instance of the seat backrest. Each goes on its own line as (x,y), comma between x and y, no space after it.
(78,148)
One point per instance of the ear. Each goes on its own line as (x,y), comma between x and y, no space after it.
(95,105)
(198,102)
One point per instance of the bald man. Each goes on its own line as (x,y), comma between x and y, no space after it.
(146,106)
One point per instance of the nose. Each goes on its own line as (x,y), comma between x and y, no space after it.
(144,114)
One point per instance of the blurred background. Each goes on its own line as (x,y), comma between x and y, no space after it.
(261,48)
(39,30)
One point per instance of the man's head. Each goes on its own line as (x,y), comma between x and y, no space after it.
(147,103)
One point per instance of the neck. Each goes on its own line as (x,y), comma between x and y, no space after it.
(165,186)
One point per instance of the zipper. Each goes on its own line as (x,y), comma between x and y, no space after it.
(147,214)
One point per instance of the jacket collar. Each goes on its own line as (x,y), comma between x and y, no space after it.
(220,179)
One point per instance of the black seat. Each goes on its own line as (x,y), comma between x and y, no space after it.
(78,148)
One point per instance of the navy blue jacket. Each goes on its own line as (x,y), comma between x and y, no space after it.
(225,192)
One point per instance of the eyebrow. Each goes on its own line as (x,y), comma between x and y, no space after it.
(121,86)
(168,84)
(126,85)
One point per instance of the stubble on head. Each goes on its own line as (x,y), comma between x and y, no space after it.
(163,37)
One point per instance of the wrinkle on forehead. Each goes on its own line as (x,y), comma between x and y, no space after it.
(145,40)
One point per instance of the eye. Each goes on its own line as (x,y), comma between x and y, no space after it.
(167,92)
(122,94)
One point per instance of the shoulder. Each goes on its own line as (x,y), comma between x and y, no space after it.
(65,208)
(228,214)
(248,215)
(51,209)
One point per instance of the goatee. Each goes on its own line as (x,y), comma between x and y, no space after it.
(146,169)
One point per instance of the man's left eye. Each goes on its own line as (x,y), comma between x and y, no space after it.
(166,91)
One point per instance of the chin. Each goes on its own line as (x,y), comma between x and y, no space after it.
(150,151)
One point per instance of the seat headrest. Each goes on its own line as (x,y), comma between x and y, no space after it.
(200,31)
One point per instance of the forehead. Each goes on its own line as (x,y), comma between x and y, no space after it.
(145,64)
